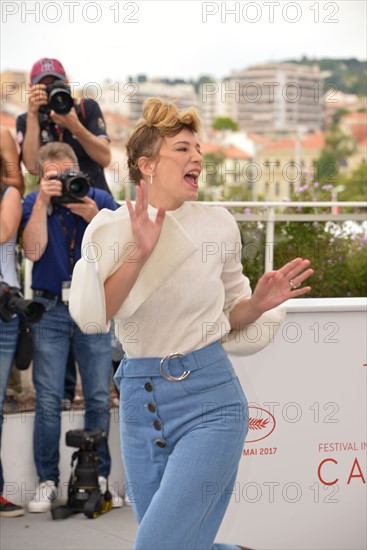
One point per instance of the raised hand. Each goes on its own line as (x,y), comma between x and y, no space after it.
(275,287)
(146,231)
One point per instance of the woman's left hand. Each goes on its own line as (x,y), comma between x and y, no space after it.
(275,287)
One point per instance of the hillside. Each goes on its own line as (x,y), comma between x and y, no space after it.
(349,75)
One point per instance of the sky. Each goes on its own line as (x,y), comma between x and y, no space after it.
(99,40)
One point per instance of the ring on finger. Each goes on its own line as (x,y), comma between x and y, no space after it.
(292,285)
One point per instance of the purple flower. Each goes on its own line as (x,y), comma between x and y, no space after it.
(316,185)
(302,188)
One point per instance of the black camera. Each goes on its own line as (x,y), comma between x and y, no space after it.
(85,440)
(59,98)
(84,493)
(12,301)
(75,186)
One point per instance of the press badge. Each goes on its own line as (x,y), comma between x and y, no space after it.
(65,294)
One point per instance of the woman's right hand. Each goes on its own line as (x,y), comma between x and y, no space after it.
(146,231)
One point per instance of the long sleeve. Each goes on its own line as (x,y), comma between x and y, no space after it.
(107,242)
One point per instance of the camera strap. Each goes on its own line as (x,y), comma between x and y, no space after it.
(70,238)
(59,131)
(49,131)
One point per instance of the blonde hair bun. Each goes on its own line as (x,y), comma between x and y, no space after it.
(165,115)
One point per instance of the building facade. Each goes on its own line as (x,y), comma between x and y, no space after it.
(216,100)
(282,165)
(183,95)
(278,98)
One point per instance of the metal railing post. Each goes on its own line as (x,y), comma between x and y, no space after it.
(269,240)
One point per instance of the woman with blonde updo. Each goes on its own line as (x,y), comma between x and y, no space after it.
(169,271)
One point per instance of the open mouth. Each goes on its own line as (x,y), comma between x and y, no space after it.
(192,178)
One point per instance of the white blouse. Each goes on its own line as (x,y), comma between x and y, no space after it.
(185,291)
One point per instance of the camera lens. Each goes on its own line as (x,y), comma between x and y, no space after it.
(78,186)
(75,186)
(33,312)
(60,101)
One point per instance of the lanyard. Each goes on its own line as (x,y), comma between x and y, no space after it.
(49,130)
(60,132)
(71,239)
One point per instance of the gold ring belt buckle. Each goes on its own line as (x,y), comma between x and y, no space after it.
(184,375)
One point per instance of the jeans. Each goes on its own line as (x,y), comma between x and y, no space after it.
(52,338)
(181,446)
(8,344)
(70,378)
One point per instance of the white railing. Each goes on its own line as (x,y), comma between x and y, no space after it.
(269,217)
(272,215)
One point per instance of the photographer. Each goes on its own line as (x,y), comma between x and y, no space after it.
(82,127)
(10,216)
(54,221)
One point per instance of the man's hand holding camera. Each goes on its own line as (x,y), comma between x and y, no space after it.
(70,121)
(86,209)
(50,187)
(36,98)
(40,97)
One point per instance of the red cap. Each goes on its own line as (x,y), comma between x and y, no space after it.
(47,67)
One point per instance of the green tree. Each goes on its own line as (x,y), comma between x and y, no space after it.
(225,123)
(346,75)
(237,193)
(212,164)
(338,147)
(338,256)
(338,253)
(339,113)
(204,79)
(355,185)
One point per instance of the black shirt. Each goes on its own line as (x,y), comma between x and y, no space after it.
(90,116)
